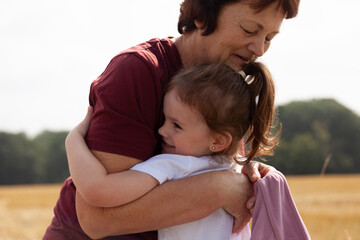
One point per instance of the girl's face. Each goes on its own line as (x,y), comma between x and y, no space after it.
(184,131)
(241,35)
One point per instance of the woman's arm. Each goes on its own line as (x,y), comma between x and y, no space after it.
(91,179)
(172,203)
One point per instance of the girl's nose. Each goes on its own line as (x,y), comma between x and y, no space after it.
(162,131)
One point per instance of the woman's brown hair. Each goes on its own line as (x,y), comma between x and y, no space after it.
(207,11)
(229,103)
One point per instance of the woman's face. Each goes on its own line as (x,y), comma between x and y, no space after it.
(241,35)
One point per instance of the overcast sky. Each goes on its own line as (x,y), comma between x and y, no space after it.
(51,50)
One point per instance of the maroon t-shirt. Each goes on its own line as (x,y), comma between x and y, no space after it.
(127,101)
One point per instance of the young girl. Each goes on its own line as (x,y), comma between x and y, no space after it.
(208,109)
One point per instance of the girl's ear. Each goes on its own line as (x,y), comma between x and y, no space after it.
(220,141)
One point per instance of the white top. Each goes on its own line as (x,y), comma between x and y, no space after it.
(218,225)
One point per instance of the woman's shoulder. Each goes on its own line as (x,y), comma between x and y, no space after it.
(155,47)
(157,56)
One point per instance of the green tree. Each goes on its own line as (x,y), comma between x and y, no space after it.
(316,129)
(17,159)
(51,156)
(301,155)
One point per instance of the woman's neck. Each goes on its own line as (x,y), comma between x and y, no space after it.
(189,49)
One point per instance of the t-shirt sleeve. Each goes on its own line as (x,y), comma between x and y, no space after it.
(125,98)
(165,167)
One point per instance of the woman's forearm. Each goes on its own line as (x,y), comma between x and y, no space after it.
(172,203)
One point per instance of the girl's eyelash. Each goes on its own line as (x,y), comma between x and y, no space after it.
(177,126)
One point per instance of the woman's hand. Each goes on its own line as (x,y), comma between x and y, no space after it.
(254,171)
(237,192)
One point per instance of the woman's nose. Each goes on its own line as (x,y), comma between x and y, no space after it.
(257,47)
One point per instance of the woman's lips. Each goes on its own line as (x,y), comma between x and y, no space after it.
(243,59)
(237,62)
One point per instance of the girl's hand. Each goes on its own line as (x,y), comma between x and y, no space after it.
(83,126)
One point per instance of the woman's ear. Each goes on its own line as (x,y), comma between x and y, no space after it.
(220,141)
(198,25)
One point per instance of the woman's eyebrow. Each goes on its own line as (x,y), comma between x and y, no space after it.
(261,27)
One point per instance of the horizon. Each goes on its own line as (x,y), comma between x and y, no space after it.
(53,50)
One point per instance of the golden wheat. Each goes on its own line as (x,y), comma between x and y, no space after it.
(26,211)
(329,206)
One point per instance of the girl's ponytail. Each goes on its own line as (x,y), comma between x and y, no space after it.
(262,110)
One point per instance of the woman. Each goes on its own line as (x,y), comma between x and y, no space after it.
(127,101)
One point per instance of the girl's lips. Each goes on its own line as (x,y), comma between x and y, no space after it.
(165,145)
(167,148)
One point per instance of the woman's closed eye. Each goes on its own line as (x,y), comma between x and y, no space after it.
(247,31)
(270,37)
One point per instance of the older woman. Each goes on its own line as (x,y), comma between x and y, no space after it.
(127,101)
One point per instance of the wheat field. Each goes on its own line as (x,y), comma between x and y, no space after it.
(329,206)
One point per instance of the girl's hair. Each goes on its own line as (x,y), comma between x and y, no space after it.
(207,11)
(229,103)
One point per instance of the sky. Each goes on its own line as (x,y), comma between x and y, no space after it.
(51,51)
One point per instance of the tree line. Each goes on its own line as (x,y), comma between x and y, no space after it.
(33,160)
(316,130)
(317,135)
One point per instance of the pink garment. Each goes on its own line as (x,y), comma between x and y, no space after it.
(275,214)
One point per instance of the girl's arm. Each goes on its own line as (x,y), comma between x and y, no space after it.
(91,179)
(172,203)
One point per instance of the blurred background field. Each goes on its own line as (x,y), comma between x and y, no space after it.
(25,211)
(329,206)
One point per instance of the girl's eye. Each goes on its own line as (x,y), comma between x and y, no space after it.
(177,126)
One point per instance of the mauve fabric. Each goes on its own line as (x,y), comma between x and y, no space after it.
(275,213)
